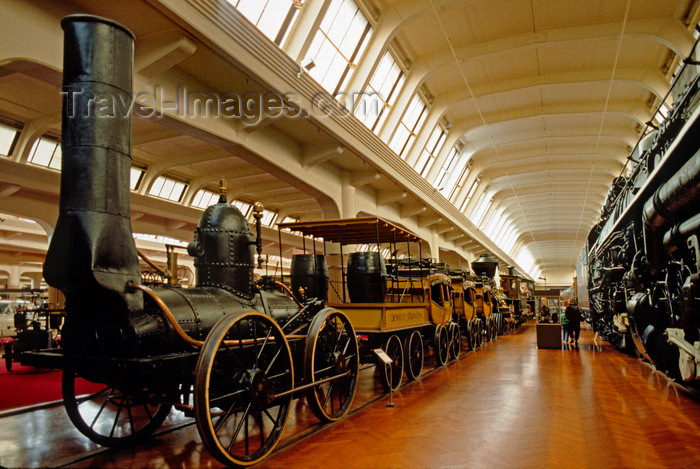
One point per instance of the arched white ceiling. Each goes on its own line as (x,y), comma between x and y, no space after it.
(550,98)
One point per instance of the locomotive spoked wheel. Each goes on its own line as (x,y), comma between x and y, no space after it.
(442,345)
(391,375)
(243,388)
(111,417)
(455,340)
(413,351)
(331,354)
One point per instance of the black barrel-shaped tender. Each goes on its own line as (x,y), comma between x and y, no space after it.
(366,277)
(309,273)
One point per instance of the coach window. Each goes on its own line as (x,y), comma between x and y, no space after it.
(436,293)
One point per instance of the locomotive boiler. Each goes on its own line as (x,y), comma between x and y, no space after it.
(231,351)
(639,273)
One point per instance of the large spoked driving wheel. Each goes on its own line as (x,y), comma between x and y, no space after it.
(413,351)
(391,374)
(112,417)
(242,391)
(442,345)
(455,340)
(331,354)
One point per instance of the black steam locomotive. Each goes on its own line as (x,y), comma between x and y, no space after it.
(639,273)
(232,351)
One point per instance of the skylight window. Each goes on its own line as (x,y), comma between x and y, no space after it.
(482,207)
(409,127)
(492,225)
(338,43)
(268,218)
(445,177)
(431,150)
(244,207)
(527,261)
(205,198)
(168,188)
(135,177)
(47,153)
(380,94)
(273,18)
(8,136)
(160,239)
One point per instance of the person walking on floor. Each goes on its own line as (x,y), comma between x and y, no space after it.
(565,326)
(573,317)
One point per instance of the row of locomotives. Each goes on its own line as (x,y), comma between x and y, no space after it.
(642,259)
(399,306)
(231,351)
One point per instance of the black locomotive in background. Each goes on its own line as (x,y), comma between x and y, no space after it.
(639,274)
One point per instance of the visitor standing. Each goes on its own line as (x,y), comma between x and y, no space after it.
(573,316)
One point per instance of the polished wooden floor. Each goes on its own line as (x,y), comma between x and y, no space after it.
(508,404)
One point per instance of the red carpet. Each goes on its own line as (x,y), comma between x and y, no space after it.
(27,386)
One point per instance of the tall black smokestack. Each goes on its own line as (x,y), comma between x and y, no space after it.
(92,254)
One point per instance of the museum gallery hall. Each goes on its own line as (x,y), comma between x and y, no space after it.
(349,233)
